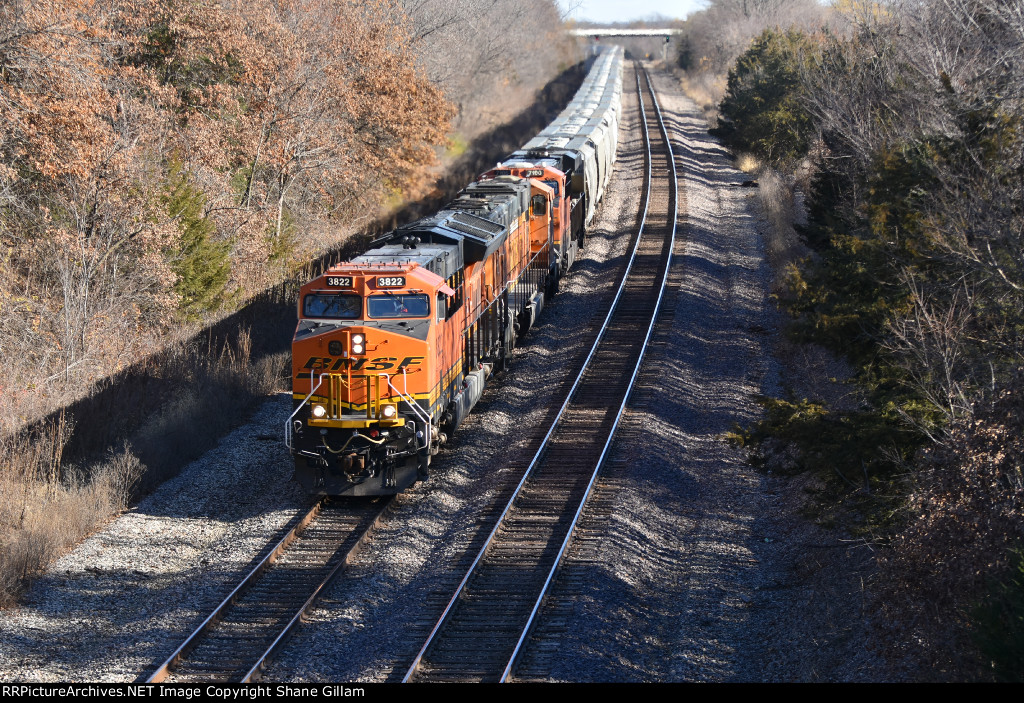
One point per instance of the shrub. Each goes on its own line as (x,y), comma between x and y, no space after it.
(201,263)
(1000,634)
(951,584)
(762,112)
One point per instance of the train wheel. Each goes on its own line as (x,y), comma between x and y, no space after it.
(508,344)
(552,287)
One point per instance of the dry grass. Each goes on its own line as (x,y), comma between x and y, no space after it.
(707,89)
(782,243)
(748,163)
(46,507)
(221,388)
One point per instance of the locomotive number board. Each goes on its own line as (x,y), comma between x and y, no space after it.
(340,281)
(390,281)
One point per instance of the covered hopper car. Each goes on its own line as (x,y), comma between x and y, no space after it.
(393,349)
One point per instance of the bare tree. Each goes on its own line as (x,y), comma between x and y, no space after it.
(717,35)
(473,48)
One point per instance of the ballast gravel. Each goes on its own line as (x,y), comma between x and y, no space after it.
(702,571)
(121,602)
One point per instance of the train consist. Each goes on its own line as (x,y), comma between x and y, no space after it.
(392,349)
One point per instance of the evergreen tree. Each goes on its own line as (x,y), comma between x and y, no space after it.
(201,263)
(761,112)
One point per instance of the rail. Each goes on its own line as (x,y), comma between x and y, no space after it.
(461,589)
(650,329)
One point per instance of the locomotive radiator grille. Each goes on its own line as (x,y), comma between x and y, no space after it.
(345,396)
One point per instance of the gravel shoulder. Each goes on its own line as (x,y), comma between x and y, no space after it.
(700,570)
(120,602)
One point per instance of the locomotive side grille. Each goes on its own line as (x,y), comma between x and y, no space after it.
(470,224)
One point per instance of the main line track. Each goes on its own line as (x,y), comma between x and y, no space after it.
(480,633)
(237,639)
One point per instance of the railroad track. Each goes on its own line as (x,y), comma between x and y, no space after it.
(235,642)
(480,633)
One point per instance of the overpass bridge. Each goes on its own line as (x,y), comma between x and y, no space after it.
(613,32)
(598,33)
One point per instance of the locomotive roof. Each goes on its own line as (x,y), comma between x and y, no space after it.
(565,161)
(443,259)
(465,235)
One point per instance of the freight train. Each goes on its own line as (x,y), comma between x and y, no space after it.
(393,349)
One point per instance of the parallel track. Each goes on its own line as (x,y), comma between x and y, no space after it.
(247,628)
(479,635)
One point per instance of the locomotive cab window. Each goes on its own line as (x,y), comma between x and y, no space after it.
(442,307)
(539,205)
(332,306)
(394,305)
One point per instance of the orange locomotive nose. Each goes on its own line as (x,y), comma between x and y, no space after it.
(363,377)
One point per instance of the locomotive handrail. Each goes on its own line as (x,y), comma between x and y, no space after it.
(413,405)
(288,422)
(415,408)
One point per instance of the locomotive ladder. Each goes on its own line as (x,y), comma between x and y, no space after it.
(490,616)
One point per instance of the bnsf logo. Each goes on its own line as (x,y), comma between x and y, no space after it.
(381,363)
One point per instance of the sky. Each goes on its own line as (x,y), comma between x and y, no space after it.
(626,10)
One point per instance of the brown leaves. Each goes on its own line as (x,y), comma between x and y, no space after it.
(285,113)
(966,514)
(54,109)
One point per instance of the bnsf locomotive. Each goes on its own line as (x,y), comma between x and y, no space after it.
(393,349)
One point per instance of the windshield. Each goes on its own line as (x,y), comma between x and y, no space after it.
(398,305)
(332,305)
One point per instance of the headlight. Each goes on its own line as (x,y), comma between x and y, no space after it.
(357,339)
(357,348)
(388,411)
(319,411)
